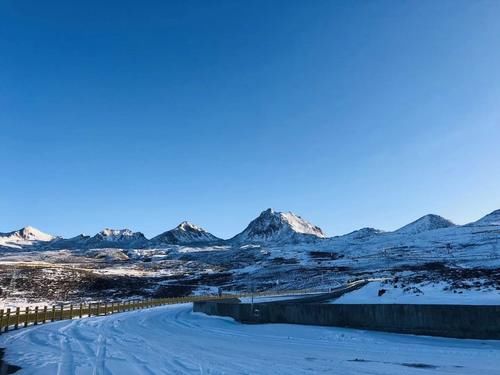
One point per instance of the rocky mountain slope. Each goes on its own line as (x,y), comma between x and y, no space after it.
(279,227)
(492,219)
(426,223)
(25,237)
(184,234)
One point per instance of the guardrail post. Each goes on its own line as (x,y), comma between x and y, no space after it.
(36,315)
(17,318)
(26,316)
(7,319)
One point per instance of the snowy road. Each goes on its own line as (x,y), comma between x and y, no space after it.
(173,340)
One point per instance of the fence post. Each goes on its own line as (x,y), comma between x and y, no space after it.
(97,313)
(16,326)
(62,312)
(90,309)
(8,320)
(36,315)
(44,314)
(80,312)
(26,315)
(53,318)
(71,311)
(1,320)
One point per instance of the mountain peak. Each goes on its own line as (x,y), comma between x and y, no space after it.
(362,233)
(185,233)
(108,232)
(425,223)
(26,236)
(273,225)
(189,227)
(118,237)
(32,234)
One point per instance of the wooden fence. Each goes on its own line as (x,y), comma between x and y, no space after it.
(15,318)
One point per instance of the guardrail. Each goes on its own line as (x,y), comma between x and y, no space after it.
(16,318)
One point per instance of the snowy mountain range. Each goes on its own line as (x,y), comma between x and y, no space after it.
(270,227)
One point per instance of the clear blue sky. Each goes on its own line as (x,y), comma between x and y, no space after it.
(141,114)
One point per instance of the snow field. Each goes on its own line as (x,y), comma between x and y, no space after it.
(174,340)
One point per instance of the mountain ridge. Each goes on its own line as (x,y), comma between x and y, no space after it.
(270,227)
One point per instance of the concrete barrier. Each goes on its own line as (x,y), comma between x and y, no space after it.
(458,321)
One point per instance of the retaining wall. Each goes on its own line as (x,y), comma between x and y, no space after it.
(459,321)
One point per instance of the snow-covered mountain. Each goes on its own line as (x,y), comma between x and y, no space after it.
(27,236)
(424,224)
(184,234)
(363,233)
(78,242)
(492,219)
(118,238)
(271,228)
(280,227)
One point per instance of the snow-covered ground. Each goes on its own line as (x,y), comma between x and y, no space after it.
(427,293)
(174,340)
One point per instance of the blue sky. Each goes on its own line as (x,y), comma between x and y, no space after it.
(144,114)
